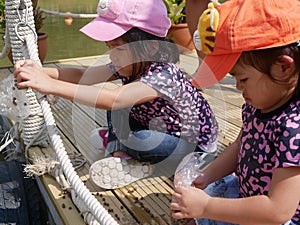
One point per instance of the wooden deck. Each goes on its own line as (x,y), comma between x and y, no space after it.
(145,201)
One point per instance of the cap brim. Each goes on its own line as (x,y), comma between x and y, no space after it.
(213,69)
(101,30)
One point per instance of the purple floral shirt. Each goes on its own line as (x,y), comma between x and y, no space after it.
(181,111)
(269,141)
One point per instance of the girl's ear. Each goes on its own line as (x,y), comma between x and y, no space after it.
(284,66)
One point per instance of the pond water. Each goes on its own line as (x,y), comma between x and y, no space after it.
(67,41)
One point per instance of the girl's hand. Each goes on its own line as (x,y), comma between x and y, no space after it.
(190,202)
(31,75)
(21,63)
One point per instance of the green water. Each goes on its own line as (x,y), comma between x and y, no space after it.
(67,41)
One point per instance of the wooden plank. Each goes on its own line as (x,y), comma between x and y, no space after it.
(62,200)
(77,127)
(188,63)
(144,199)
(94,60)
(4,73)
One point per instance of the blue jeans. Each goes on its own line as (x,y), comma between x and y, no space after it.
(163,150)
(227,187)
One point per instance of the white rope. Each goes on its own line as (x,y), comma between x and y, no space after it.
(92,203)
(7,139)
(74,15)
(10,147)
(46,165)
(20,27)
(19,23)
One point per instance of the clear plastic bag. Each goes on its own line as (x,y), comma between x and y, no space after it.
(189,168)
(13,101)
(186,172)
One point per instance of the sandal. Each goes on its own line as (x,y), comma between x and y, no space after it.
(114,172)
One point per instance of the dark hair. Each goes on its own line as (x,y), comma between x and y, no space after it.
(142,44)
(263,59)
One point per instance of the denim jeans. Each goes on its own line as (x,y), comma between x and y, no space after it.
(227,187)
(163,150)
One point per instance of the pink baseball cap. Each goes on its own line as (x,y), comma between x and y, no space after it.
(116,17)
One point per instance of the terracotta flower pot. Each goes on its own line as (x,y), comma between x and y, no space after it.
(42,47)
(180,34)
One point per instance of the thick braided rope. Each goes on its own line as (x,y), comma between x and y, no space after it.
(93,205)
(32,124)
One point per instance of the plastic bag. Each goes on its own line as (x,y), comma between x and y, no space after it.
(13,101)
(189,168)
(186,172)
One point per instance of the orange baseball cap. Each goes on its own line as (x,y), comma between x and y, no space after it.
(244,25)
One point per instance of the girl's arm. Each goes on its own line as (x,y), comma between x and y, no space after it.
(275,208)
(91,75)
(106,98)
(124,96)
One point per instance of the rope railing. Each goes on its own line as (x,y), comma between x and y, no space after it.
(74,15)
(22,39)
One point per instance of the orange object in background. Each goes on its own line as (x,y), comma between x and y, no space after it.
(68,19)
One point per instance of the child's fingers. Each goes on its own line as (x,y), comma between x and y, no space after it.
(176,196)
(23,84)
(179,189)
(180,214)
(176,210)
(23,80)
(21,63)
(177,215)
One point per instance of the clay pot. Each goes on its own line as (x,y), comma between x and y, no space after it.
(180,34)
(42,47)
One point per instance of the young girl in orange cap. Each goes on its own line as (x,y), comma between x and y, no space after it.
(257,42)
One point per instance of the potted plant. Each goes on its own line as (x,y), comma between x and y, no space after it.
(39,18)
(179,32)
(175,10)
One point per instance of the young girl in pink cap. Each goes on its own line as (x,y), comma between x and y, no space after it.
(257,42)
(156,117)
